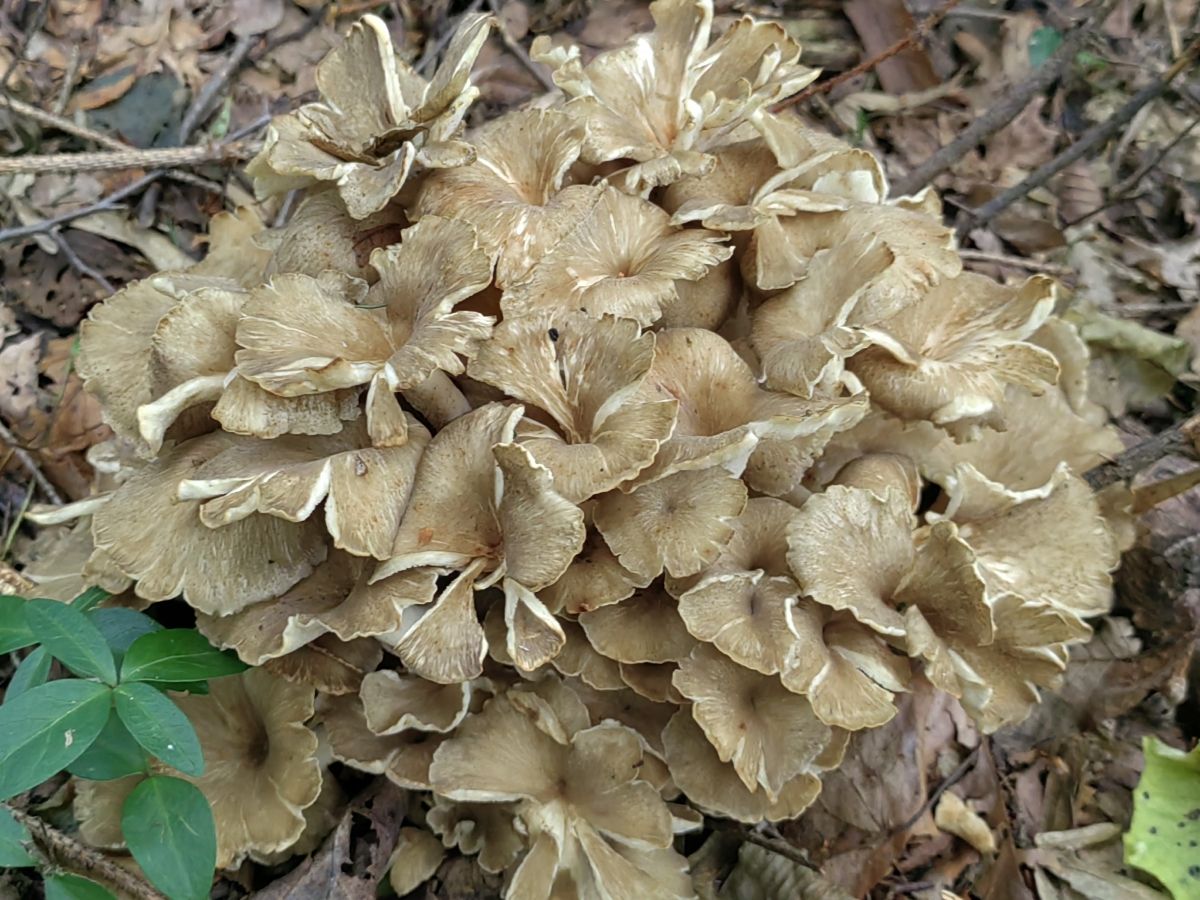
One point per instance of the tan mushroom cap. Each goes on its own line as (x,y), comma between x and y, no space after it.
(416,857)
(652,681)
(843,667)
(722,410)
(335,599)
(949,357)
(261,766)
(512,192)
(364,488)
(1028,652)
(484,830)
(328,664)
(768,733)
(644,628)
(867,527)
(679,522)
(403,758)
(443,641)
(714,786)
(759,541)
(622,259)
(594,578)
(377,118)
(142,526)
(746,615)
(394,702)
(245,408)
(878,472)
(647,717)
(584,373)
(579,659)
(322,235)
(1050,544)
(97,808)
(233,248)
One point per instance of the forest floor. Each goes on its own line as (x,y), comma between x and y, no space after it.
(191,83)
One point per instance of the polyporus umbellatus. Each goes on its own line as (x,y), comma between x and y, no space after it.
(612,461)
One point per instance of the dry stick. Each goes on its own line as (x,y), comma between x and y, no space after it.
(27,461)
(69,853)
(108,202)
(230,151)
(920,32)
(777,846)
(1004,111)
(78,264)
(1094,137)
(199,107)
(515,48)
(1180,438)
(952,779)
(1016,262)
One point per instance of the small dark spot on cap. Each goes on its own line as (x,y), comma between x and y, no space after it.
(553,332)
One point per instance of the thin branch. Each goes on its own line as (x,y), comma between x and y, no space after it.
(27,461)
(919,33)
(952,779)
(515,48)
(78,264)
(108,202)
(775,845)
(1180,438)
(434,48)
(1094,137)
(199,107)
(1016,262)
(70,854)
(1007,109)
(42,164)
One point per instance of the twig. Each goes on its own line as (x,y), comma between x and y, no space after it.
(1006,110)
(919,33)
(433,48)
(775,845)
(515,48)
(952,779)
(78,264)
(1016,262)
(39,19)
(1179,438)
(108,202)
(199,107)
(1092,138)
(69,853)
(155,157)
(25,458)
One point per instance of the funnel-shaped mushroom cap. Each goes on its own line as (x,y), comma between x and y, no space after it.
(595,578)
(862,568)
(769,733)
(584,373)
(364,488)
(394,703)
(302,335)
(322,235)
(261,767)
(414,861)
(878,472)
(679,522)
(843,667)
(377,118)
(712,785)
(622,259)
(404,758)
(662,99)
(328,664)
(335,599)
(644,628)
(511,193)
(1029,651)
(722,410)
(949,357)
(1050,544)
(746,615)
(578,786)
(143,525)
(486,829)
(579,659)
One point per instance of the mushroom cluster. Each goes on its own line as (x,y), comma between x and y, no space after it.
(599,468)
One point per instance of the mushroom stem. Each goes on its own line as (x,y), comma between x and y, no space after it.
(438,399)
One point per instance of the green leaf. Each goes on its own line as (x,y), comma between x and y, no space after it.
(72,887)
(114,754)
(183,687)
(89,598)
(121,627)
(1164,836)
(46,729)
(169,829)
(13,837)
(14,630)
(160,727)
(33,670)
(71,639)
(1042,44)
(177,654)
